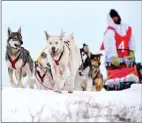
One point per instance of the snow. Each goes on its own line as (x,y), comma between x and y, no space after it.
(27,105)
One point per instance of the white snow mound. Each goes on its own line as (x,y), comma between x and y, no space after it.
(27,105)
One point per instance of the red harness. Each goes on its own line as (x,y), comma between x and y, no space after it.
(57,61)
(13,62)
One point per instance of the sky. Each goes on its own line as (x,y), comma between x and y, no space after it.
(87,19)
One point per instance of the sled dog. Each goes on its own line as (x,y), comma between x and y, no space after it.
(97,77)
(85,58)
(43,73)
(64,58)
(18,59)
(93,62)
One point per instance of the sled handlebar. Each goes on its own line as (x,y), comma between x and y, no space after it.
(127,57)
(128,61)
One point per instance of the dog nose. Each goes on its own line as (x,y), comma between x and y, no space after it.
(53,48)
(21,42)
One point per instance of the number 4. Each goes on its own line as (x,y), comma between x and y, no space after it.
(121,46)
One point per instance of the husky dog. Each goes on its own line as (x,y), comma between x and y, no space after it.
(64,58)
(18,59)
(96,74)
(82,80)
(43,72)
(91,61)
(85,57)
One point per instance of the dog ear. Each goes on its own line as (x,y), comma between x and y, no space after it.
(44,55)
(9,31)
(19,30)
(84,45)
(47,35)
(72,35)
(62,34)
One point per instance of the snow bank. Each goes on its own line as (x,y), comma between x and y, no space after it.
(27,105)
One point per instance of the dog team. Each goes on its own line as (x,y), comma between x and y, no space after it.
(62,60)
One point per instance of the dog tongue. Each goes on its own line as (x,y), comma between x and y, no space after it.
(54,53)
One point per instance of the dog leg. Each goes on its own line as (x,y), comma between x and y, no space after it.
(20,79)
(73,70)
(98,84)
(71,85)
(55,79)
(30,82)
(10,72)
(84,85)
(29,79)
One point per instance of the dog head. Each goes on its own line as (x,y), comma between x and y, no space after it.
(44,60)
(54,43)
(14,38)
(96,59)
(84,52)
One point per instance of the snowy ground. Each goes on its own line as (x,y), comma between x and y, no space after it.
(27,105)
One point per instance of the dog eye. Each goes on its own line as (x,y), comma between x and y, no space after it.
(50,43)
(56,42)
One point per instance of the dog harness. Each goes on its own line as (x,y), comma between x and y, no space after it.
(41,77)
(57,61)
(67,44)
(13,62)
(122,42)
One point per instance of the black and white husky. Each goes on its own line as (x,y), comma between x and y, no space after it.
(18,59)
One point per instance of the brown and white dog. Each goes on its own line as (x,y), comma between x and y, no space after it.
(96,75)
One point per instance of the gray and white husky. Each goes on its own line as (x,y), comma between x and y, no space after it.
(18,59)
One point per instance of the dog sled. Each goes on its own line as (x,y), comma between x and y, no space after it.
(123,76)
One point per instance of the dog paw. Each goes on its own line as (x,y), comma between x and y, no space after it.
(13,85)
(58,91)
(70,91)
(31,86)
(20,86)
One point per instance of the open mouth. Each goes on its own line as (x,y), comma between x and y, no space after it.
(53,53)
(16,45)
